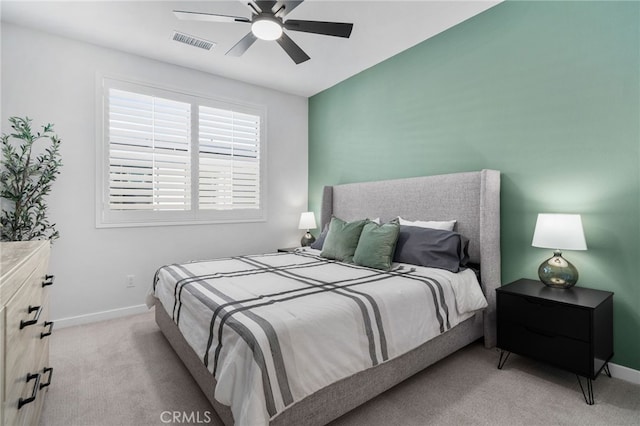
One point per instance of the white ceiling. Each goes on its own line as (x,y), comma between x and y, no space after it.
(381,30)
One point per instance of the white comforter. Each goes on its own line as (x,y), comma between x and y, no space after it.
(276,328)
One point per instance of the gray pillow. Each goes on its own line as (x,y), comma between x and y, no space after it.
(342,239)
(319,242)
(376,245)
(435,248)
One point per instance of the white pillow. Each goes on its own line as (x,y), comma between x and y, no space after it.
(446,225)
(468,293)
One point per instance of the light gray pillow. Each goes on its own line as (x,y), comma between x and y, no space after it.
(447,225)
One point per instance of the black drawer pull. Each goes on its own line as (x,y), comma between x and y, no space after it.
(48,333)
(35,319)
(534,301)
(541,333)
(45,371)
(48,280)
(34,392)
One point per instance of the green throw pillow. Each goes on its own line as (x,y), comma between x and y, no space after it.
(377,245)
(342,239)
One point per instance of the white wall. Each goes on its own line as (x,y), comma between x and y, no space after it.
(53,79)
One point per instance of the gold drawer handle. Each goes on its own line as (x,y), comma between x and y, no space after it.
(34,392)
(27,323)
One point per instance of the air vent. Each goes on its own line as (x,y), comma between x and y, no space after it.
(193,41)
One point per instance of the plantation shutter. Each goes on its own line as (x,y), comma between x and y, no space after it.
(168,157)
(149,152)
(229,160)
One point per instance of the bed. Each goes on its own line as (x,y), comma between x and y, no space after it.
(315,393)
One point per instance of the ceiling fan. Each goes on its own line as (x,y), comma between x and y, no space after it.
(268,22)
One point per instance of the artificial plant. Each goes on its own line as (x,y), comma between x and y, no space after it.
(28,170)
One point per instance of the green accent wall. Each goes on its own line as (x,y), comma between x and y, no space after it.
(546,92)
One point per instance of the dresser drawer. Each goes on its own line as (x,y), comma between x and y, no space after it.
(24,356)
(27,306)
(570,354)
(28,414)
(26,313)
(14,275)
(545,316)
(31,362)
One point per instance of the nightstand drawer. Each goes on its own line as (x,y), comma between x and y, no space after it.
(569,354)
(545,316)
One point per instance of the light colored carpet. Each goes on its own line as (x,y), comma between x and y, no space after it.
(123,372)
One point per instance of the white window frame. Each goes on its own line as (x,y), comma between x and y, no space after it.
(107,218)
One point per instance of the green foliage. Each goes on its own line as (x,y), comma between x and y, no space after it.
(26,179)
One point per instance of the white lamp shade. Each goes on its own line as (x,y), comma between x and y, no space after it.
(307,221)
(559,231)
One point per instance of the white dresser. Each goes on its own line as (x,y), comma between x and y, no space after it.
(25,373)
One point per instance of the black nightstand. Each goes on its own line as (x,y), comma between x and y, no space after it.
(569,328)
(287,249)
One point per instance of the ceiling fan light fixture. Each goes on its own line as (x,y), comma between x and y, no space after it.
(266,28)
(267,23)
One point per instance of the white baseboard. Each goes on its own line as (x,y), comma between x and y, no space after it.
(100,316)
(624,373)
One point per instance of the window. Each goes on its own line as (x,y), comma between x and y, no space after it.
(149,152)
(174,158)
(229,159)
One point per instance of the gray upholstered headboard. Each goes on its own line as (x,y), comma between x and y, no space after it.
(471,198)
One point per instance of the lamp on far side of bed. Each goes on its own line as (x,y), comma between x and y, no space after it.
(558,232)
(307,221)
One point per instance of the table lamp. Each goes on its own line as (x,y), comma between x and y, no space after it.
(558,232)
(307,221)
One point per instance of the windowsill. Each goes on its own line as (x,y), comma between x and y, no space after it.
(103,225)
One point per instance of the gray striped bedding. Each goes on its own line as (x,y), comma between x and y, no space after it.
(275,328)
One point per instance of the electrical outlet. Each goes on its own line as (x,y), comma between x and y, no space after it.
(131,281)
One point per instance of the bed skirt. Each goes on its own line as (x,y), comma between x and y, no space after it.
(338,398)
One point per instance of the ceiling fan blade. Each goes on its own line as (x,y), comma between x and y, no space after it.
(208,17)
(336,29)
(289,5)
(242,46)
(292,49)
(266,6)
